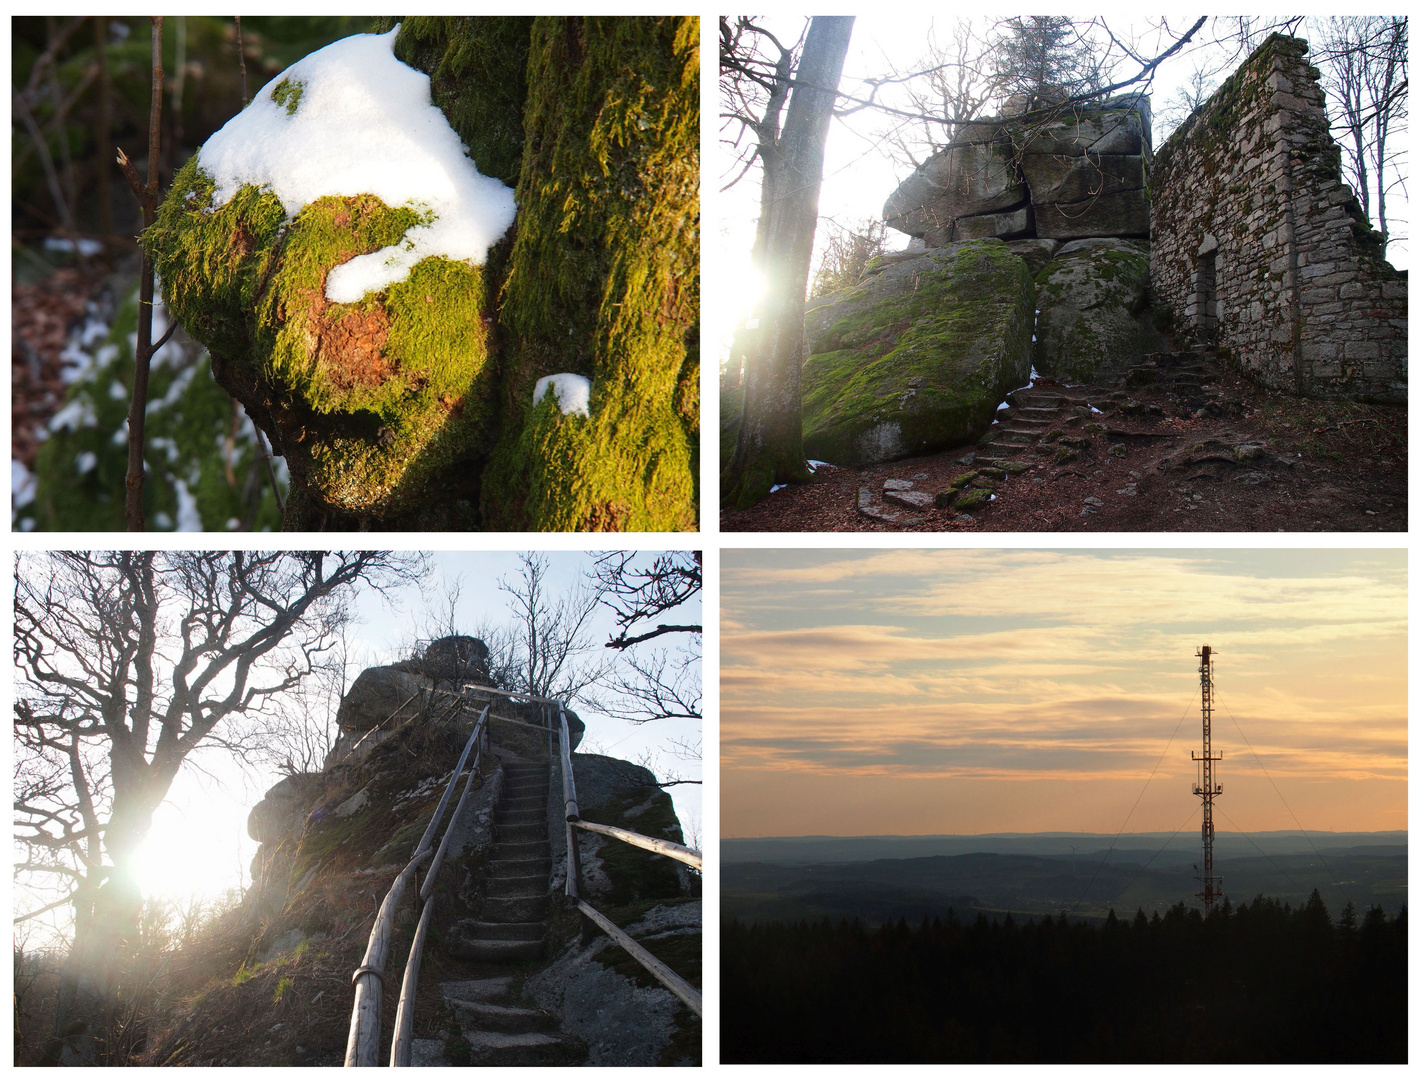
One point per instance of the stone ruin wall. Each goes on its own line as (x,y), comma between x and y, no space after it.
(1259,247)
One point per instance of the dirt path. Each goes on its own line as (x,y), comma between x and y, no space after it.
(1216,455)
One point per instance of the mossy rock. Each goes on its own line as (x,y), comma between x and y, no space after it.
(412,407)
(973,499)
(372,403)
(916,358)
(603,281)
(1095,313)
(203,468)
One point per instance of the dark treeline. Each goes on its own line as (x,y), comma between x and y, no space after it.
(1260,982)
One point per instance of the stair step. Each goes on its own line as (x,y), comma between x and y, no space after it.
(515,908)
(487,989)
(521,821)
(521,849)
(507,1018)
(507,868)
(523,834)
(496,949)
(506,931)
(518,886)
(1008,437)
(527,1048)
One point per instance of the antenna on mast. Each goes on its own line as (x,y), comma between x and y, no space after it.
(1205,786)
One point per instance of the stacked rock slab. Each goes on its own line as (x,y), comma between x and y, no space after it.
(1261,249)
(1077,174)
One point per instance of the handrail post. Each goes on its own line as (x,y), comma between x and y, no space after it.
(570,806)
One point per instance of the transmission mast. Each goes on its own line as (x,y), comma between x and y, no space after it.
(1206,786)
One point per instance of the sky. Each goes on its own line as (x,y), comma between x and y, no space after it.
(199,841)
(918,692)
(859,175)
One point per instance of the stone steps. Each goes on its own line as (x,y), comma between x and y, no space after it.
(500,1029)
(510,926)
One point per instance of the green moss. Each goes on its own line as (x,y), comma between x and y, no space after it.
(370,402)
(638,875)
(602,280)
(288,93)
(972,499)
(920,369)
(1094,316)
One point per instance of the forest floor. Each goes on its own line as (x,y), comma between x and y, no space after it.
(1306,466)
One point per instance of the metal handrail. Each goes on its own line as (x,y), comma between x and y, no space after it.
(363,1043)
(663,974)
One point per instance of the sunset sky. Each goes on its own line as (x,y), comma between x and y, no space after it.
(874,692)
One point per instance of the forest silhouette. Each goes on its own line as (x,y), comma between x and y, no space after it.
(1261,982)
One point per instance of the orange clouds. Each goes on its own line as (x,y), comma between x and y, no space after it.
(1004,666)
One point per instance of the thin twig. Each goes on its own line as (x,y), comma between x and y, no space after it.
(241,59)
(143,350)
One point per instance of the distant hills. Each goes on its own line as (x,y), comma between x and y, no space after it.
(885,878)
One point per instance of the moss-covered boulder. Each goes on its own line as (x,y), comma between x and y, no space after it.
(394,408)
(1095,310)
(603,282)
(917,357)
(203,469)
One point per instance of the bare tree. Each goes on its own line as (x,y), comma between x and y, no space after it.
(847,252)
(552,639)
(951,85)
(1187,98)
(660,681)
(769,444)
(1363,59)
(129,663)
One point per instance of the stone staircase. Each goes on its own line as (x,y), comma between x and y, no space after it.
(499,1026)
(511,923)
(1035,411)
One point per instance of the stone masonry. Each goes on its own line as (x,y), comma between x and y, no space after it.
(1258,246)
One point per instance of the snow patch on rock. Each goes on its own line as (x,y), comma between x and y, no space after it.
(350,119)
(572,392)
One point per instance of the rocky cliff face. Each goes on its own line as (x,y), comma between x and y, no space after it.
(1080,174)
(332,842)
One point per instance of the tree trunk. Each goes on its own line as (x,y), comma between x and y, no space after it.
(769,447)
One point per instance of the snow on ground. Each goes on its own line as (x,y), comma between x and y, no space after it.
(189,520)
(22,484)
(87,248)
(350,119)
(573,392)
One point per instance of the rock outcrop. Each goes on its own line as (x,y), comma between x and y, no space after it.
(1094,316)
(520,983)
(917,356)
(1076,175)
